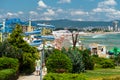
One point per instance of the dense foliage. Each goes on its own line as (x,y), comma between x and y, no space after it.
(87,60)
(48,52)
(23,51)
(55,76)
(8,68)
(58,63)
(103,62)
(8,74)
(6,49)
(117,60)
(77,60)
(9,63)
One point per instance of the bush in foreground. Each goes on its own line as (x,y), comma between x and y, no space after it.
(8,68)
(103,62)
(8,74)
(9,63)
(56,76)
(87,60)
(28,64)
(23,51)
(77,60)
(58,63)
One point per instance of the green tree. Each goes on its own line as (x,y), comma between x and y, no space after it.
(22,47)
(77,62)
(58,63)
(16,39)
(117,60)
(87,60)
(6,49)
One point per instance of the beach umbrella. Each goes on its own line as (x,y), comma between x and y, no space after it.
(115,51)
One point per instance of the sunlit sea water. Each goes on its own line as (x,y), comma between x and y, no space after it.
(109,40)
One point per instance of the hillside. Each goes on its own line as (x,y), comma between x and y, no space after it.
(70,23)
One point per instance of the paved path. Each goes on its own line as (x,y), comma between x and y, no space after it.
(29,77)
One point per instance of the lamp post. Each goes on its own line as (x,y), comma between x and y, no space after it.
(42,62)
(42,59)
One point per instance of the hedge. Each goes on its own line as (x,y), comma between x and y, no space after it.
(103,62)
(57,76)
(8,68)
(58,63)
(8,74)
(9,63)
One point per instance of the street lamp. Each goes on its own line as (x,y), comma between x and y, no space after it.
(42,60)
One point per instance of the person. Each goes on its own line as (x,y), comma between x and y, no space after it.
(37,66)
(44,72)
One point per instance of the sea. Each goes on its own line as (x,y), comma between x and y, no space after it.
(109,40)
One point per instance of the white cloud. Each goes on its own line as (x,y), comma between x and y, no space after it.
(41,4)
(64,1)
(33,13)
(107,3)
(78,12)
(104,10)
(114,15)
(107,7)
(12,14)
(20,12)
(59,10)
(9,14)
(49,12)
(46,18)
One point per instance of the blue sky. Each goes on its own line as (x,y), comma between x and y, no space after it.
(82,10)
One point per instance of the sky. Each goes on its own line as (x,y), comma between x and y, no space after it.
(81,10)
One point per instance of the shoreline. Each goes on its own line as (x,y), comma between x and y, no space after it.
(97,33)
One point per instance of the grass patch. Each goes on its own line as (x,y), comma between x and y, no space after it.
(98,74)
(64,76)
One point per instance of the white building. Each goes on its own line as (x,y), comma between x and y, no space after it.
(59,33)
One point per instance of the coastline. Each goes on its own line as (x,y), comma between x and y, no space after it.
(97,33)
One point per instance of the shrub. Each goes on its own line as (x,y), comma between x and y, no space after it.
(23,51)
(8,74)
(87,60)
(107,63)
(28,64)
(117,59)
(55,76)
(58,63)
(77,60)
(103,62)
(9,63)
(48,52)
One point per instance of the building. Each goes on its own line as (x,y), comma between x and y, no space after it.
(97,49)
(115,26)
(59,33)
